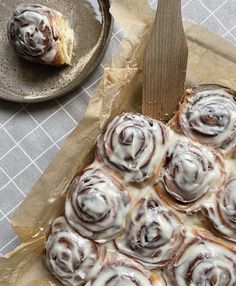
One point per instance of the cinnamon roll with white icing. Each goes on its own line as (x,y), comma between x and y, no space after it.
(133,145)
(71,258)
(122,271)
(40,34)
(153,234)
(221,211)
(96,205)
(189,171)
(203,261)
(208,115)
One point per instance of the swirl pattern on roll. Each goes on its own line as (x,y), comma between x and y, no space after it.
(208,115)
(69,257)
(204,262)
(153,234)
(96,205)
(124,274)
(31,32)
(133,145)
(189,171)
(222,210)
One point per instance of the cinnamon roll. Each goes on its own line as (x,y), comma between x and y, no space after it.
(204,262)
(222,210)
(71,258)
(208,115)
(189,171)
(153,234)
(40,34)
(96,205)
(125,272)
(133,145)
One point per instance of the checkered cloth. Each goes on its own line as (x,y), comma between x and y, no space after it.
(32,134)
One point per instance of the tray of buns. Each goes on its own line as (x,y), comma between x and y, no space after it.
(130,200)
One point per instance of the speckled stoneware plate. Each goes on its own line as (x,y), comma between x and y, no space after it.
(23,81)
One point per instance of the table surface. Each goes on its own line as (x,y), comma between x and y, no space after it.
(30,135)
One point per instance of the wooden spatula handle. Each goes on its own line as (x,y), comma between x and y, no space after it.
(165,62)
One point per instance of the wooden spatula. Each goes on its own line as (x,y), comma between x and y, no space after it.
(165,62)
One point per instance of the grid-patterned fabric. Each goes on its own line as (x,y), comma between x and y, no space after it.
(30,135)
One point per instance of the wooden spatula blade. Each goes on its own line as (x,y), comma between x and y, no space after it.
(165,62)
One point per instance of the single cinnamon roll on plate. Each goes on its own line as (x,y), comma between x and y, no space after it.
(133,145)
(96,205)
(41,34)
(208,115)
(189,171)
(71,258)
(153,234)
(203,261)
(221,211)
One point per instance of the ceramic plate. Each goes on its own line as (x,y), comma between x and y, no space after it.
(24,81)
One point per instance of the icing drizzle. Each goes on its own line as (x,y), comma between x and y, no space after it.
(189,171)
(96,205)
(221,211)
(31,32)
(209,115)
(124,272)
(133,145)
(153,234)
(203,262)
(69,257)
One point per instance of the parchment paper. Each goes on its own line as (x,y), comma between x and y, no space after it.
(211,60)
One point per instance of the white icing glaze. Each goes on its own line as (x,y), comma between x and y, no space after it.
(153,234)
(50,55)
(121,276)
(221,210)
(31,32)
(96,205)
(125,273)
(133,145)
(204,263)
(190,170)
(209,115)
(71,258)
